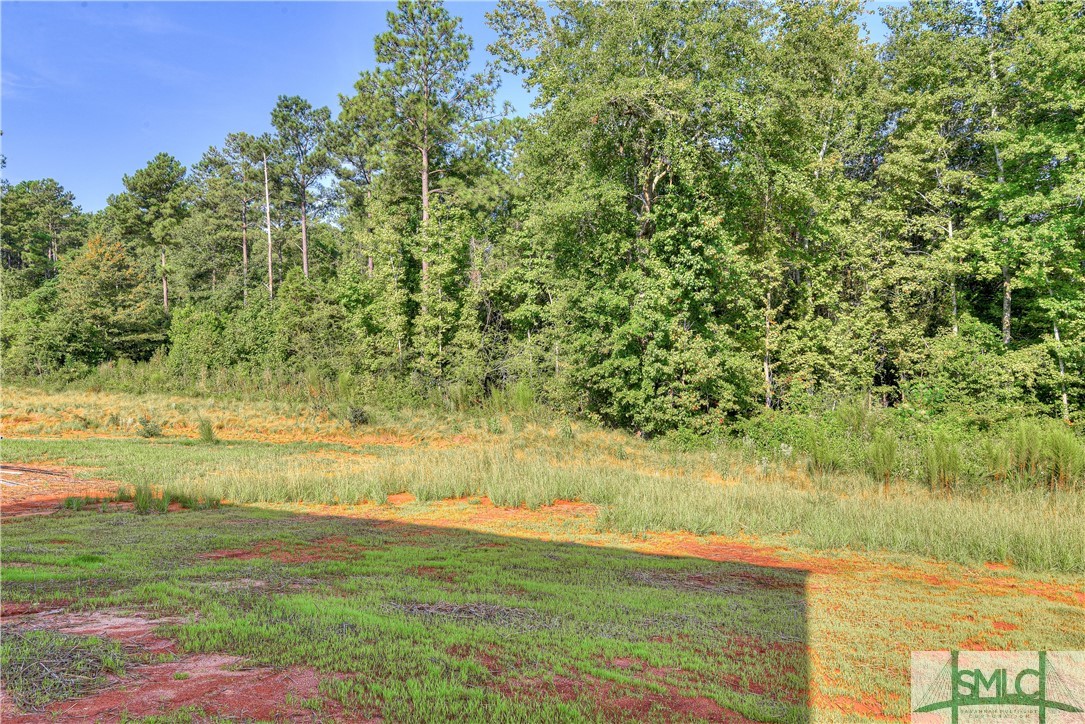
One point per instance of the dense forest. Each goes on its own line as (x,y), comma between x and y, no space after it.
(715,207)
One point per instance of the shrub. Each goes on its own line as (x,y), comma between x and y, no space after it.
(823,456)
(1065,457)
(881,456)
(149,428)
(357,416)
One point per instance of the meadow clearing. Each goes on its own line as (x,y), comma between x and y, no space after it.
(504,565)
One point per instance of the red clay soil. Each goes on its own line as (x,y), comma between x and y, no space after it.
(614,704)
(216,684)
(42,488)
(333,548)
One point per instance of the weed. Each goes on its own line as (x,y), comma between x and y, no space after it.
(143,499)
(357,416)
(823,456)
(942,463)
(207,432)
(181,675)
(75,502)
(1065,457)
(881,456)
(149,428)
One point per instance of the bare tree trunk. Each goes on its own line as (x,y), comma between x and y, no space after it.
(244,254)
(1062,373)
(369,265)
(165,286)
(304,236)
(267,216)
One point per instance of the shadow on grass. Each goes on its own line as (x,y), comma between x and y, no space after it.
(431,623)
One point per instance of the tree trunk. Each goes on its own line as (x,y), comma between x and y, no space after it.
(304,236)
(425,216)
(1007,294)
(953,278)
(244,254)
(767,361)
(267,216)
(165,286)
(1062,373)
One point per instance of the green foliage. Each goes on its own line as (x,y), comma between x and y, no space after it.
(143,499)
(149,428)
(791,220)
(942,463)
(824,457)
(206,431)
(881,456)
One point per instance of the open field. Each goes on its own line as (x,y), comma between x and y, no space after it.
(505,567)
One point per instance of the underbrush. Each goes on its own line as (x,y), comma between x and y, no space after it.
(44,666)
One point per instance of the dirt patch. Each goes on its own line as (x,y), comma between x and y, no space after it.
(868,708)
(42,488)
(623,703)
(520,618)
(485,656)
(333,548)
(723,583)
(14,610)
(217,684)
(434,573)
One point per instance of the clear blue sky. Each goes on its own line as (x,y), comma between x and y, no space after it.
(92,91)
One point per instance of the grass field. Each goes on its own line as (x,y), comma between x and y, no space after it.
(504,567)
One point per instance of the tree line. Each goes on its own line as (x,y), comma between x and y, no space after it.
(715,207)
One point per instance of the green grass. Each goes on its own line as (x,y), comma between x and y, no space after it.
(421,623)
(425,624)
(40,667)
(1034,529)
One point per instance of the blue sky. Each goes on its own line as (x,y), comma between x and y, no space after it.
(92,90)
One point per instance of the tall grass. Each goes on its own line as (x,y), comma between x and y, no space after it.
(942,459)
(650,490)
(881,457)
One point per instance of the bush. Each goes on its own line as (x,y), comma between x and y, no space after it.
(823,456)
(881,456)
(149,428)
(357,416)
